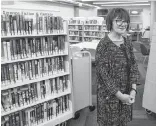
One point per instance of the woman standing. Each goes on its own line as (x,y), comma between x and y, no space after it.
(117,72)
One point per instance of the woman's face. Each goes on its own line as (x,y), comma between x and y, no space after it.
(119,26)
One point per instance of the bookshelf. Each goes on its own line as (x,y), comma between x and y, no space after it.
(85,29)
(36,84)
(75,27)
(93,29)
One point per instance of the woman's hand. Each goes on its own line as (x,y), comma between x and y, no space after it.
(126,99)
(132,96)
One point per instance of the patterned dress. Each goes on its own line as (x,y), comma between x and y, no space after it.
(116,70)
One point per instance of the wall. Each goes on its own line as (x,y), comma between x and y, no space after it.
(153,16)
(55,8)
(86,12)
(146,17)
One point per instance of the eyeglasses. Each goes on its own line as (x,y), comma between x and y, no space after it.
(121,22)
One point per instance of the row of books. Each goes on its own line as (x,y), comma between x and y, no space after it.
(90,33)
(93,21)
(92,27)
(62,124)
(21,24)
(38,114)
(80,33)
(75,38)
(85,27)
(75,27)
(27,94)
(73,33)
(86,21)
(22,48)
(30,70)
(72,21)
(88,39)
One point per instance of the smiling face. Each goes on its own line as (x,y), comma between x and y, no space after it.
(118,20)
(119,25)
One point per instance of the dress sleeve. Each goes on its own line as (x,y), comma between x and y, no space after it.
(102,60)
(134,72)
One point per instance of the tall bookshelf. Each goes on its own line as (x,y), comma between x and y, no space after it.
(75,27)
(36,84)
(83,29)
(93,29)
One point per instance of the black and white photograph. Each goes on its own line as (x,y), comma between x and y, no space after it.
(78,63)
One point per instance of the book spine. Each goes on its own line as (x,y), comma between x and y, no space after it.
(37,23)
(14,49)
(21,48)
(5,50)
(2,52)
(11,50)
(2,76)
(11,24)
(8,25)
(2,25)
(7,73)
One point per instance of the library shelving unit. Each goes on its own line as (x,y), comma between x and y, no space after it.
(83,29)
(75,27)
(93,29)
(36,84)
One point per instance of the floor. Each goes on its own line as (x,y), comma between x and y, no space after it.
(140,117)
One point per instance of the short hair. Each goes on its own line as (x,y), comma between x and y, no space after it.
(117,12)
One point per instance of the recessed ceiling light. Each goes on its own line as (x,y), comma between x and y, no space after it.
(134,12)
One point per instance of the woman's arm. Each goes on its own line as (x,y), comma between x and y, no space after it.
(134,72)
(102,61)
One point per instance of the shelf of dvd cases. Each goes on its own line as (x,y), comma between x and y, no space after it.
(35,69)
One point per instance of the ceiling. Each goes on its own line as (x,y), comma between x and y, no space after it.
(116,3)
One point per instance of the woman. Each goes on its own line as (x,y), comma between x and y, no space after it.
(117,73)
